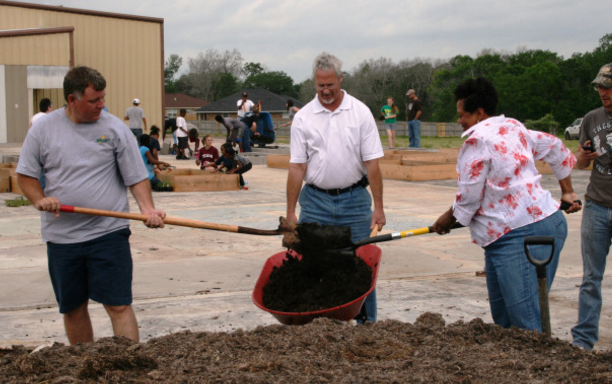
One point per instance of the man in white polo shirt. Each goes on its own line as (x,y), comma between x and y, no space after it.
(335,147)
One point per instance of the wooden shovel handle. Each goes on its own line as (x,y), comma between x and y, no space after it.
(141,217)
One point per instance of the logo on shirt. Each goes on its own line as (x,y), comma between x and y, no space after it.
(102,139)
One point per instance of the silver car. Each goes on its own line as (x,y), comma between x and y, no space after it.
(573,131)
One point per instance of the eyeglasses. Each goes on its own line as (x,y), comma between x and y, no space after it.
(599,87)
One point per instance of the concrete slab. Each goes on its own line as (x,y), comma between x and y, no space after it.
(201,280)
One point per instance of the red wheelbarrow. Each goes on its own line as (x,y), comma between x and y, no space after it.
(370,254)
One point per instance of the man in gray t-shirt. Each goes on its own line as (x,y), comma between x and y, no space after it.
(595,147)
(137,120)
(235,129)
(89,158)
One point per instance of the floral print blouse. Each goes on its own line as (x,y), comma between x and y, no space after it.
(499,185)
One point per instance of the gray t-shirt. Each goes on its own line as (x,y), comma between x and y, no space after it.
(85,165)
(597,127)
(243,159)
(135,114)
(233,125)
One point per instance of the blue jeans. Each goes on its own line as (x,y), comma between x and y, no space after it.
(511,280)
(246,138)
(414,133)
(351,209)
(138,133)
(596,234)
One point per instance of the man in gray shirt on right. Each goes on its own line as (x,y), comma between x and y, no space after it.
(596,229)
(137,119)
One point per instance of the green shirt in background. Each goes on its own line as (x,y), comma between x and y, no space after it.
(387,111)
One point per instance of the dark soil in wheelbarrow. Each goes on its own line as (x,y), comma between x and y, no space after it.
(318,281)
(324,351)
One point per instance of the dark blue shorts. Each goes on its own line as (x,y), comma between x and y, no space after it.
(98,269)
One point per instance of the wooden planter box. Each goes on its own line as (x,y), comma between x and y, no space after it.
(278,161)
(412,165)
(195,180)
(7,170)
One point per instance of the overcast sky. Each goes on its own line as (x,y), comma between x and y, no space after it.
(287,35)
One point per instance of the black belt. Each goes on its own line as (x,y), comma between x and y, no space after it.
(338,191)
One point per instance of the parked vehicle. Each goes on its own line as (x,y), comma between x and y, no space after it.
(573,131)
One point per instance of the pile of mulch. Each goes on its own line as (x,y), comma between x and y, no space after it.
(316,281)
(321,276)
(324,351)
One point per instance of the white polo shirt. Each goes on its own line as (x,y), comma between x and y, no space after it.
(335,144)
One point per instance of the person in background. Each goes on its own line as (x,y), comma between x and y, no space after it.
(154,142)
(389,111)
(244,105)
(170,124)
(292,111)
(502,201)
(224,163)
(88,256)
(181,135)
(413,115)
(235,130)
(45,106)
(596,229)
(149,161)
(207,155)
(335,147)
(195,139)
(137,120)
(240,164)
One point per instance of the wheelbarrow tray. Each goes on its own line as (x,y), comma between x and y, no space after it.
(370,254)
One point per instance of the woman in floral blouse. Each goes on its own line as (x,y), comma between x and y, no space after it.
(502,201)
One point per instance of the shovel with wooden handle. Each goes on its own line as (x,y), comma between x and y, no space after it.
(281,230)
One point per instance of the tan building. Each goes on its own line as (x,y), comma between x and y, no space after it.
(38,44)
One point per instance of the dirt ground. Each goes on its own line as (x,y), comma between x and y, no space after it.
(324,351)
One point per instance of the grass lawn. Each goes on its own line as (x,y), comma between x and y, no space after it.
(429,142)
(435,142)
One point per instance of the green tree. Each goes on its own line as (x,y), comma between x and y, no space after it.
(225,85)
(252,69)
(276,82)
(171,67)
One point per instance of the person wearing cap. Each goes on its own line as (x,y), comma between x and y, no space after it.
(244,106)
(596,229)
(137,120)
(413,115)
(335,147)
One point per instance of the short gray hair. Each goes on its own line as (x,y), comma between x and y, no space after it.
(326,61)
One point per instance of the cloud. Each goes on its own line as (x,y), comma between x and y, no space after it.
(287,35)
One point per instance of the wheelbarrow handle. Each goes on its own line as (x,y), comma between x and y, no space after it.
(539,264)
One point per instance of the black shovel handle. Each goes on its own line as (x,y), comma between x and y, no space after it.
(564,206)
(540,264)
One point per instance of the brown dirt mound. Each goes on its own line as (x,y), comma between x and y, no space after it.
(324,351)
